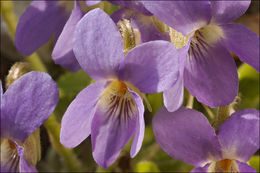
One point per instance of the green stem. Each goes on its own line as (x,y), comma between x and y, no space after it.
(222,115)
(52,126)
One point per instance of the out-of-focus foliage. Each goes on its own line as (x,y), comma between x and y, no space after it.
(146,166)
(254,162)
(70,84)
(248,87)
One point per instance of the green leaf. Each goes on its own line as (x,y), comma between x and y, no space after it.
(254,162)
(146,166)
(70,84)
(156,101)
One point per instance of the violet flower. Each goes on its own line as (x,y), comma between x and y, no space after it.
(187,135)
(26,104)
(43,19)
(210,72)
(111,110)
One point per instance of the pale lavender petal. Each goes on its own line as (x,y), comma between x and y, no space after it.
(24,165)
(27,103)
(243,42)
(76,122)
(201,169)
(243,167)
(132,4)
(152,67)
(112,126)
(140,127)
(173,97)
(92,2)
(239,135)
(62,52)
(186,135)
(98,45)
(210,74)
(38,23)
(183,16)
(227,11)
(143,23)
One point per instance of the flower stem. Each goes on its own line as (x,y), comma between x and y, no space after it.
(190,101)
(222,115)
(52,126)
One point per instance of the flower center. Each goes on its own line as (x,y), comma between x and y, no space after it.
(9,156)
(225,165)
(117,101)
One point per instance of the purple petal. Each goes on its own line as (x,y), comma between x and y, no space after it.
(140,127)
(144,24)
(201,169)
(98,45)
(38,23)
(243,42)
(239,135)
(112,126)
(186,135)
(133,5)
(227,11)
(210,74)
(243,167)
(173,97)
(76,122)
(24,165)
(26,104)
(151,67)
(92,2)
(62,52)
(183,16)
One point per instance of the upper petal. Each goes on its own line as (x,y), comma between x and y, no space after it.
(98,45)
(38,23)
(239,135)
(26,104)
(76,122)
(152,67)
(132,4)
(113,124)
(210,74)
(62,52)
(183,16)
(227,11)
(140,126)
(186,135)
(243,42)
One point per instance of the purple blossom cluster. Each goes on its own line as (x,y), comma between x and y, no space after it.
(192,52)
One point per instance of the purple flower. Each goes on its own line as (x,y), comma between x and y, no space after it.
(43,19)
(111,110)
(26,104)
(210,72)
(187,135)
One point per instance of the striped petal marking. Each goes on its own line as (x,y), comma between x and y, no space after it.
(9,156)
(118,102)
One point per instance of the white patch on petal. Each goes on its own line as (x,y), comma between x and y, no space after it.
(211,33)
(9,156)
